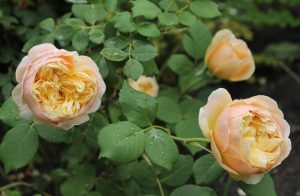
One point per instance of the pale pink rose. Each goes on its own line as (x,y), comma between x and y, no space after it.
(249,137)
(147,85)
(57,87)
(229,58)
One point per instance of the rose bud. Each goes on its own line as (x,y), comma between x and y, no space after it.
(57,87)
(147,85)
(249,137)
(229,58)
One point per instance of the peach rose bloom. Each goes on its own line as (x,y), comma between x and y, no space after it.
(249,137)
(147,85)
(229,58)
(57,87)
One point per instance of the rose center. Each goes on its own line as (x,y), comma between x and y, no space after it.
(63,90)
(261,140)
(145,86)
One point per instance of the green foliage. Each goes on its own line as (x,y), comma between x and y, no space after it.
(168,110)
(136,106)
(193,190)
(9,113)
(52,134)
(206,170)
(133,69)
(135,144)
(196,40)
(18,147)
(160,148)
(79,182)
(121,142)
(264,187)
(180,173)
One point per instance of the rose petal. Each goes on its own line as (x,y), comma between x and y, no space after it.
(17,95)
(208,114)
(248,179)
(70,123)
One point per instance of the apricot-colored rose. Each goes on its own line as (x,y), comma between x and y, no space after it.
(248,137)
(57,87)
(229,58)
(147,85)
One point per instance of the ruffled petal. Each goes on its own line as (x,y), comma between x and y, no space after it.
(208,114)
(70,123)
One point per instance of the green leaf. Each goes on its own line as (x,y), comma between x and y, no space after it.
(110,5)
(103,67)
(150,68)
(190,109)
(96,36)
(170,4)
(47,24)
(63,32)
(97,121)
(123,172)
(80,40)
(133,69)
(180,64)
(187,19)
(160,148)
(53,134)
(7,89)
(116,42)
(94,13)
(180,173)
(9,113)
(189,128)
(107,187)
(114,54)
(193,190)
(206,170)
(121,142)
(145,8)
(19,146)
(48,38)
(78,184)
(148,30)
(143,174)
(74,22)
(137,107)
(168,110)
(144,52)
(171,92)
(196,40)
(168,19)
(205,9)
(109,30)
(264,187)
(123,22)
(114,113)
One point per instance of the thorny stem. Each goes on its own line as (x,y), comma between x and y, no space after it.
(157,179)
(14,184)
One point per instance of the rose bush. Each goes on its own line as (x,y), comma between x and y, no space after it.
(249,137)
(159,61)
